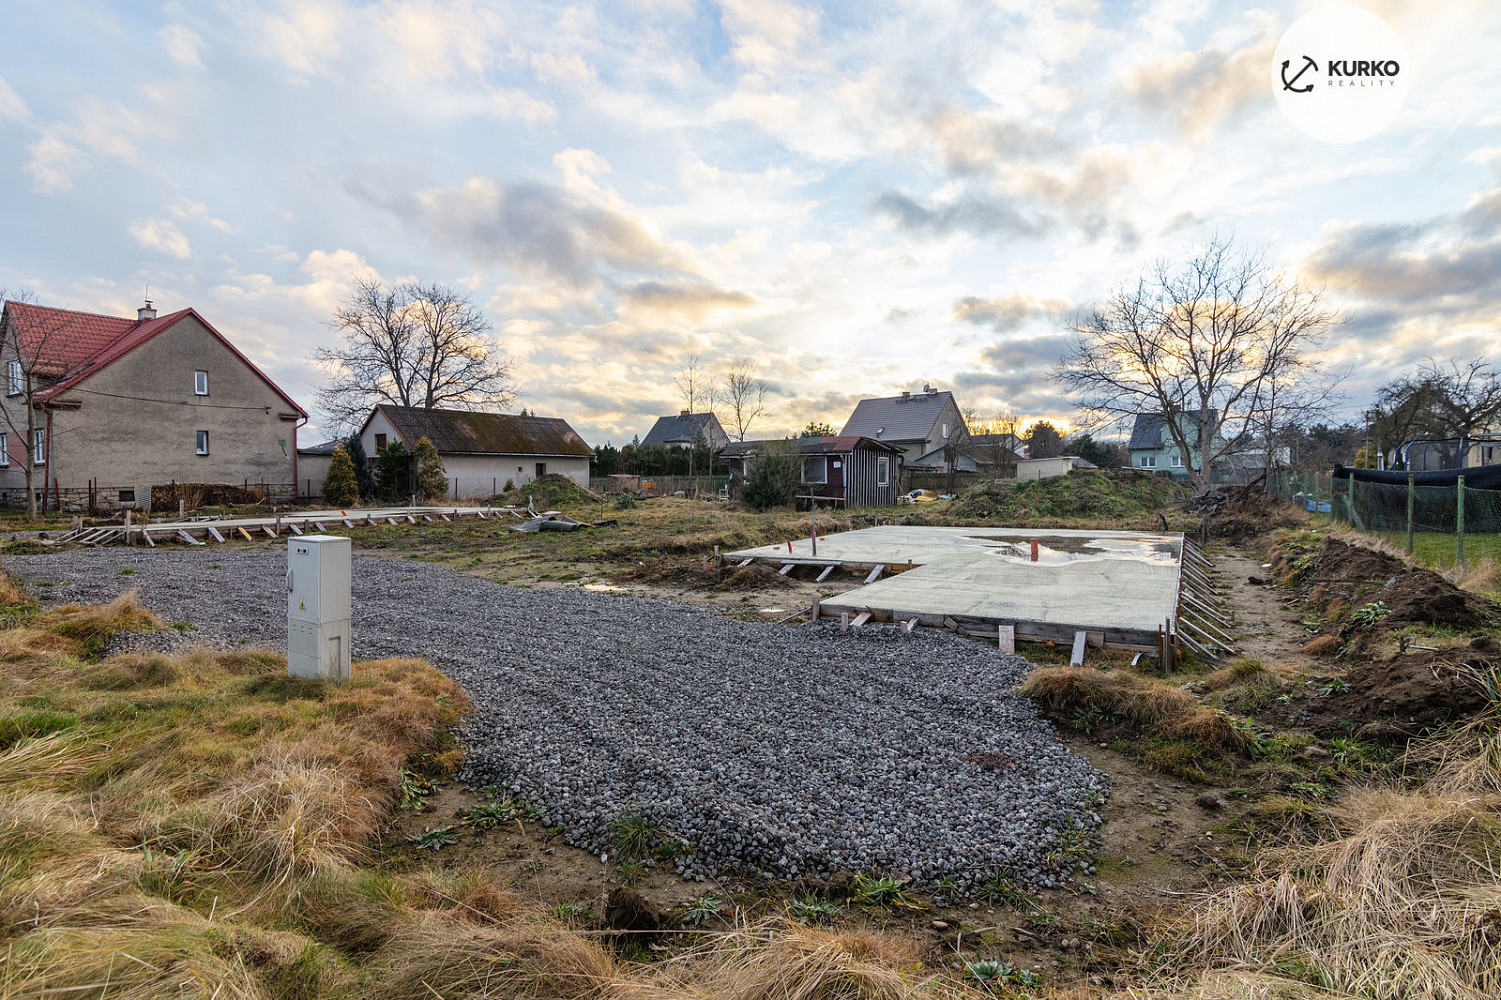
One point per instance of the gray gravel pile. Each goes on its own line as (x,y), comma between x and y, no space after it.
(785,750)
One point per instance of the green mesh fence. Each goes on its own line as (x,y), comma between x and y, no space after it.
(1447,523)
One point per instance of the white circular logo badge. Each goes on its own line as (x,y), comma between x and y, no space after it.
(1340,74)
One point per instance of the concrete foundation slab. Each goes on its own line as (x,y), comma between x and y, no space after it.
(1123,585)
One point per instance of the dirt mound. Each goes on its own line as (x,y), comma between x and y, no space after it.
(695,573)
(551,490)
(1084,493)
(1358,589)
(1410,693)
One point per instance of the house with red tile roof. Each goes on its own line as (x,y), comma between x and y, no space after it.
(120,405)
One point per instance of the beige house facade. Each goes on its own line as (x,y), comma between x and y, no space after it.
(123,405)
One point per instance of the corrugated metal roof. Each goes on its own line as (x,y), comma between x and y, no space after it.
(1146,432)
(836,444)
(691,428)
(467,432)
(326,448)
(898,418)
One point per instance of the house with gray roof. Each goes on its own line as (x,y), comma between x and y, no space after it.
(1153,449)
(687,430)
(926,426)
(483,452)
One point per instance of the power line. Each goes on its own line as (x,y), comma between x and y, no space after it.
(168,402)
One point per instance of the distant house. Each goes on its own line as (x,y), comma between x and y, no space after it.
(482,452)
(1152,447)
(927,427)
(994,454)
(121,405)
(312,467)
(1046,468)
(687,430)
(857,471)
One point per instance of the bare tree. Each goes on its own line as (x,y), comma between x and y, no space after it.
(1204,343)
(699,394)
(995,442)
(30,349)
(1453,400)
(420,345)
(744,395)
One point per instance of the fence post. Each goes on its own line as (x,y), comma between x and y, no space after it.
(1350,499)
(1411,495)
(1459,522)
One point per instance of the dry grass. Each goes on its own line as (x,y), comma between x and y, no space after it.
(1404,901)
(1135,702)
(91,626)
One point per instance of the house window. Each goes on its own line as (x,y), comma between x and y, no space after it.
(127,496)
(380,443)
(1149,461)
(4,448)
(200,383)
(16,381)
(945,432)
(541,469)
(883,472)
(816,469)
(1177,461)
(39,448)
(203,442)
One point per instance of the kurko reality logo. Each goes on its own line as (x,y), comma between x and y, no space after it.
(1338,74)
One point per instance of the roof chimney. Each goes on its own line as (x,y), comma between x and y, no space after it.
(146,312)
(906,395)
(684,413)
(927,389)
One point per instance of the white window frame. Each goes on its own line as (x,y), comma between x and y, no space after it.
(1177,461)
(823,464)
(883,472)
(15,379)
(200,383)
(1149,461)
(38,447)
(200,442)
(4,450)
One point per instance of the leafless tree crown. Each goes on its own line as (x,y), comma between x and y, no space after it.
(414,344)
(744,395)
(31,339)
(1221,332)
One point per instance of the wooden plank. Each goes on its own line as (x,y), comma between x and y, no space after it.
(445,517)
(825,574)
(1076,659)
(246,534)
(428,518)
(390,520)
(844,621)
(909,624)
(347,522)
(860,619)
(788,568)
(187,537)
(295,529)
(745,562)
(319,526)
(1006,637)
(814,619)
(147,535)
(875,574)
(215,532)
(269,530)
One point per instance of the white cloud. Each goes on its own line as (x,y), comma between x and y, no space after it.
(163,237)
(11,106)
(182,45)
(100,130)
(188,210)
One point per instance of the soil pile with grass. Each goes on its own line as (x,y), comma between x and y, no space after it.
(549,491)
(1084,493)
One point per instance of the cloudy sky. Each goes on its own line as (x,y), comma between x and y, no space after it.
(862,196)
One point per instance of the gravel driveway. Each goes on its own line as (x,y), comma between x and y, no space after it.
(778,749)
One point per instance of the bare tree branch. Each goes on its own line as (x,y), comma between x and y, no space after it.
(1221,334)
(420,345)
(744,395)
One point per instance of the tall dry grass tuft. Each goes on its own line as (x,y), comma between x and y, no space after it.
(171,952)
(431,954)
(93,625)
(1480,576)
(1404,903)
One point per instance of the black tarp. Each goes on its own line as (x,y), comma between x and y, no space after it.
(1483,477)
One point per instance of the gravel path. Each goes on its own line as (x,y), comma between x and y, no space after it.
(778,749)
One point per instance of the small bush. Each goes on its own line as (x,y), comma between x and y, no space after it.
(775,473)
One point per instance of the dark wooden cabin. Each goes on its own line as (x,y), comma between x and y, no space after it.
(844,469)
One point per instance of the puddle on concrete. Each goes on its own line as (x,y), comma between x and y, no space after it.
(1056,550)
(600,586)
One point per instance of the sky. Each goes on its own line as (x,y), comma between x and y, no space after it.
(861,197)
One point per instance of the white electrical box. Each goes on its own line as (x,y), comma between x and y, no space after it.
(318,573)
